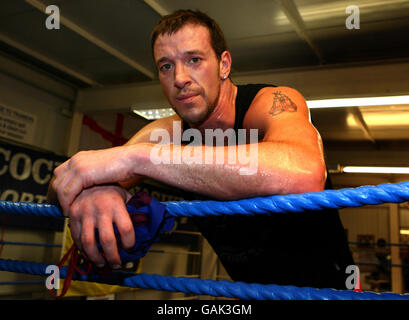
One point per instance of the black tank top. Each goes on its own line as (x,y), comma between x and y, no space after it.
(301,249)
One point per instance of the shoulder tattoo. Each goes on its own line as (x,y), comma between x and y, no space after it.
(282,103)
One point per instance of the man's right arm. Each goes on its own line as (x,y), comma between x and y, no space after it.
(143,135)
(101,206)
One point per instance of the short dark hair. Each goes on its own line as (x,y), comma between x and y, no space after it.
(173,22)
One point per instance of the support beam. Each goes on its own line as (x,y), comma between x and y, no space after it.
(96,41)
(36,78)
(47,60)
(378,79)
(157,7)
(293,15)
(346,80)
(208,263)
(121,98)
(394,230)
(360,121)
(74,134)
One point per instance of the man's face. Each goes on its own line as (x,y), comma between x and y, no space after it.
(189,72)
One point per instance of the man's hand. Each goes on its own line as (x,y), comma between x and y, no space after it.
(99,207)
(90,168)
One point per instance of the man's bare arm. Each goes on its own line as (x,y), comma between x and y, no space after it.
(290,159)
(141,136)
(290,156)
(99,207)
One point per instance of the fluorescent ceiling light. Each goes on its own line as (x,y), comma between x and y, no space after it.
(404,231)
(382,119)
(153,114)
(358,102)
(394,170)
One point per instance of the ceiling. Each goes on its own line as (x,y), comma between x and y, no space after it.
(105,42)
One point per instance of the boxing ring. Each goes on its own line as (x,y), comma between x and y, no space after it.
(277,204)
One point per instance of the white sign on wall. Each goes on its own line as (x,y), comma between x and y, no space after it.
(17,125)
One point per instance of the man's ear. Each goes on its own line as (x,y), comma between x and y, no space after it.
(225,64)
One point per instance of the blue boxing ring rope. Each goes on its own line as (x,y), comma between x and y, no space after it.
(333,199)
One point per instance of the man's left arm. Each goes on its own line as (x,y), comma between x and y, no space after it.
(289,158)
(292,147)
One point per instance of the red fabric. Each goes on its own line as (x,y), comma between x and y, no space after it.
(73,253)
(74,256)
(116,139)
(358,285)
(118,130)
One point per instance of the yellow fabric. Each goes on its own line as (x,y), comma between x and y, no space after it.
(83,288)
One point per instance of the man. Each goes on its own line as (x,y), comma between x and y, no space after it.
(194,66)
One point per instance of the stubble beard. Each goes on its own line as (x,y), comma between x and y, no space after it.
(199,120)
